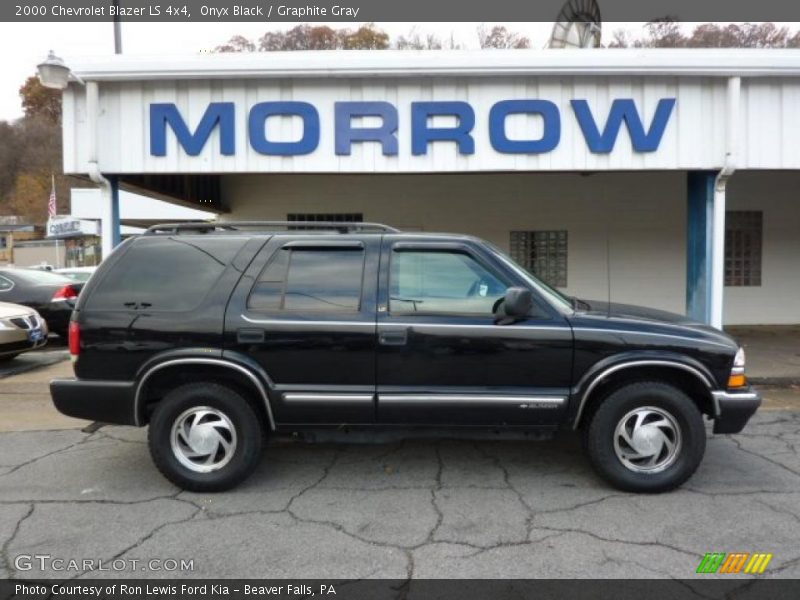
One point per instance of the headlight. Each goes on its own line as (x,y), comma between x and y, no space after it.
(737,378)
(738,361)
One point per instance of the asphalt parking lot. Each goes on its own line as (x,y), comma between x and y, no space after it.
(422,509)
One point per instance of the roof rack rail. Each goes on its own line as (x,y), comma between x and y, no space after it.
(207,227)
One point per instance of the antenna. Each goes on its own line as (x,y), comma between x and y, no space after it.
(578,25)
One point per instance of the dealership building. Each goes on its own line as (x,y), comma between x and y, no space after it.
(667,178)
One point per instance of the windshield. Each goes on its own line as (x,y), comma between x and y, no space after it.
(552,295)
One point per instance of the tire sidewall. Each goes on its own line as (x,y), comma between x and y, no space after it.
(242,417)
(600,442)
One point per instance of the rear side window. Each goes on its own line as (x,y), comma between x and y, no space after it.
(169,274)
(310,279)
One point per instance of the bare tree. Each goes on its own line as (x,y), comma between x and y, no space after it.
(501,38)
(666,33)
(237,43)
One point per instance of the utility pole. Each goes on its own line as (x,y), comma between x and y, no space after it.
(117,30)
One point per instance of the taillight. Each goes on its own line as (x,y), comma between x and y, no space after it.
(74,338)
(65,293)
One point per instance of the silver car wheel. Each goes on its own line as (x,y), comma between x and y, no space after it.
(647,440)
(203,439)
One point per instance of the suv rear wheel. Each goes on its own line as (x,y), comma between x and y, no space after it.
(205,437)
(646,437)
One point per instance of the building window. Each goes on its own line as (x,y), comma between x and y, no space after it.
(543,253)
(323,217)
(743,240)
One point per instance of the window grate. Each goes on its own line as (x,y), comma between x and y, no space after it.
(743,242)
(324,217)
(543,253)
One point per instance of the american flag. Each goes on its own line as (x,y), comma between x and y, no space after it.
(51,203)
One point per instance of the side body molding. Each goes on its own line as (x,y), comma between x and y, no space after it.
(220,362)
(595,379)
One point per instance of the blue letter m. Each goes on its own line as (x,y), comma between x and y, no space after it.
(623,110)
(221,113)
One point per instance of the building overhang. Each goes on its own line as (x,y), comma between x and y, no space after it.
(456,63)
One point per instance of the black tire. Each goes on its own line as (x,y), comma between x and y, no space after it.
(599,434)
(242,421)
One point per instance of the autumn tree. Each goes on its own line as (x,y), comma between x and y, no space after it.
(31,154)
(39,101)
(499,37)
(366,37)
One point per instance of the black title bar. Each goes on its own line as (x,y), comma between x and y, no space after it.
(343,11)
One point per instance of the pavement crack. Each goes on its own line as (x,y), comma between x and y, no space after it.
(652,544)
(738,444)
(507,480)
(436,488)
(31,461)
(9,565)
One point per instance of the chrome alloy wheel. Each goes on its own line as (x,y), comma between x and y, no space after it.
(647,440)
(203,439)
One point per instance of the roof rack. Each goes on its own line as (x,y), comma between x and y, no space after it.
(323,226)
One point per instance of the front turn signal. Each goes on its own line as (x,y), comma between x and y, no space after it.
(737,381)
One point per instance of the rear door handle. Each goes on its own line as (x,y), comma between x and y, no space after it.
(250,336)
(398,337)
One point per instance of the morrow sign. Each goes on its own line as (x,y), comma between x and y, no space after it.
(599,132)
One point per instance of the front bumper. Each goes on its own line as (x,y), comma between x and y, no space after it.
(104,401)
(732,410)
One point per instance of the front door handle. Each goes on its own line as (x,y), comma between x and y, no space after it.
(397,337)
(250,336)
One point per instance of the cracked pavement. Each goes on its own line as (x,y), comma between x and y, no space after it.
(418,508)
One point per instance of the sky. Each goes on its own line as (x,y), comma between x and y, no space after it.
(24,45)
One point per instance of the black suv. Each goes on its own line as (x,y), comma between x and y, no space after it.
(217,334)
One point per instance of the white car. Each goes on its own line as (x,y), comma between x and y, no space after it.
(21,329)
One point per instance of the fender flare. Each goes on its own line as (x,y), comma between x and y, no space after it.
(258,383)
(593,379)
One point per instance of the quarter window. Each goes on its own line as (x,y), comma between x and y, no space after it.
(310,279)
(442,282)
(543,253)
(165,274)
(743,242)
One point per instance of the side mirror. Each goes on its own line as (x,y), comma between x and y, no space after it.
(515,305)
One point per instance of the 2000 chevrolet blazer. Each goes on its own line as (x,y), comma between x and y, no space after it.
(216,334)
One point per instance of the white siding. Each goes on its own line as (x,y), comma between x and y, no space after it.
(694,137)
(777,299)
(636,219)
(639,220)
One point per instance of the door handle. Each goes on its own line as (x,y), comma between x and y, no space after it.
(393,338)
(250,336)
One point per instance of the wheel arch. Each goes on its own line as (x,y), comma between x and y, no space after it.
(691,379)
(167,374)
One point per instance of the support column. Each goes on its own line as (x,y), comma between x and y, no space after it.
(699,244)
(116,235)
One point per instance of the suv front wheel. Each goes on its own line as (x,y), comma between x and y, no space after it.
(205,437)
(646,437)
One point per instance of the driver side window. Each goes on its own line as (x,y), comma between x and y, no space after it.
(441,282)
